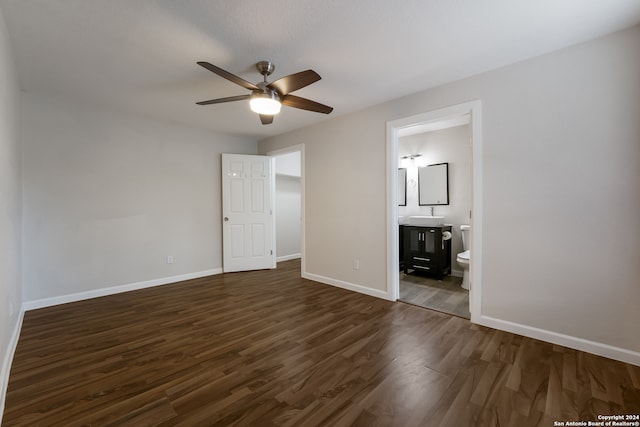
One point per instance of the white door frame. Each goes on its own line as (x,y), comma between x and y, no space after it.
(475,268)
(295,149)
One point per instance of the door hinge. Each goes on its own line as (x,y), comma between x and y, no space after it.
(271,252)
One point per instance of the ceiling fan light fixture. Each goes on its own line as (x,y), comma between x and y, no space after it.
(266,98)
(265,103)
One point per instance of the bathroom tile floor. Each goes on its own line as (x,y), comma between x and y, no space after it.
(444,295)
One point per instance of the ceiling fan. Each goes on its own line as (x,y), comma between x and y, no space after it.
(267,98)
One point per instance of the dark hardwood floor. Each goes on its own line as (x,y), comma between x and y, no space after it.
(266,348)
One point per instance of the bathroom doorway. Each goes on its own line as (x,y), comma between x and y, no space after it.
(442,147)
(466,118)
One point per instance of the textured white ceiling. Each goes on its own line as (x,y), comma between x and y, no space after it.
(140,55)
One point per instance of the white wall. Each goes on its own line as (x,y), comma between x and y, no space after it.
(10,210)
(289,164)
(288,206)
(108,196)
(287,217)
(344,211)
(449,145)
(561,193)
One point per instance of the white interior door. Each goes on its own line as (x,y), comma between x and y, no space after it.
(247,211)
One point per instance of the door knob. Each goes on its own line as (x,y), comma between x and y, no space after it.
(226,219)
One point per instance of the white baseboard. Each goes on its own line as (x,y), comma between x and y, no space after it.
(349,286)
(288,257)
(600,349)
(8,359)
(63,299)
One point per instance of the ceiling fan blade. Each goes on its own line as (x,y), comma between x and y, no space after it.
(265,119)
(305,104)
(227,75)
(221,100)
(293,82)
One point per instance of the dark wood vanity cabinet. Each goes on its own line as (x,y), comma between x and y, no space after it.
(401,252)
(425,250)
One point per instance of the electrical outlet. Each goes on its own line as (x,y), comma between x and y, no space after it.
(169,259)
(356,264)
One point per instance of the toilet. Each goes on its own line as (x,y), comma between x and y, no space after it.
(464,257)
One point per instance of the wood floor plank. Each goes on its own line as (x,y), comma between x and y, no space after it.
(267,348)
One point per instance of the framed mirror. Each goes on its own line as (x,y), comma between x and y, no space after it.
(433,185)
(402,187)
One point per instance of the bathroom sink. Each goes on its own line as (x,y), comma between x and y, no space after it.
(427,221)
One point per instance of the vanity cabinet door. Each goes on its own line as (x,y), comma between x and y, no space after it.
(430,235)
(413,238)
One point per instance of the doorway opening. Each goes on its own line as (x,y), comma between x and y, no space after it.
(436,163)
(289,194)
(439,119)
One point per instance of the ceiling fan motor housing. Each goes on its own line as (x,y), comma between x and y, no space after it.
(264,88)
(265,68)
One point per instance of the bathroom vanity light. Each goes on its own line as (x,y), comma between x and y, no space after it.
(411,157)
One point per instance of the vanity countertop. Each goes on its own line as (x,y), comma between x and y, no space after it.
(427,226)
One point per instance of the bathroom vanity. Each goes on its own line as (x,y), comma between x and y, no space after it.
(425,250)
